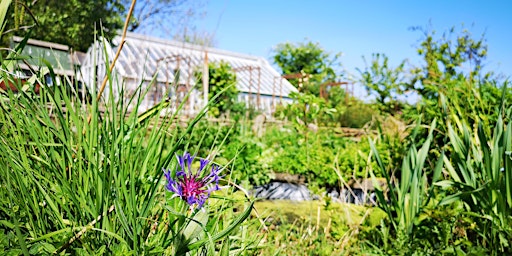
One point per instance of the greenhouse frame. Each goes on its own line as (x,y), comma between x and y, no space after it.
(155,64)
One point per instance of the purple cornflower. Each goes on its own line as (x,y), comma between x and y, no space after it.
(194,188)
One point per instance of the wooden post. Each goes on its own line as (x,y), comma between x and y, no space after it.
(274,92)
(258,101)
(250,86)
(281,90)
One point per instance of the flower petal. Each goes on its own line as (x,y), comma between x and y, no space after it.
(193,188)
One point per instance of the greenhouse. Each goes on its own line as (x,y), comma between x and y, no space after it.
(168,70)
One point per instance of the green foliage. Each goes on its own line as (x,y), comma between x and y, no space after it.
(481,176)
(468,212)
(74,22)
(470,215)
(318,102)
(309,157)
(248,166)
(337,97)
(309,59)
(236,147)
(471,103)
(4,6)
(333,112)
(314,155)
(95,187)
(64,159)
(79,180)
(454,56)
(438,231)
(197,230)
(411,192)
(356,115)
(314,228)
(474,109)
(466,152)
(385,82)
(450,84)
(70,23)
(207,136)
(416,223)
(306,109)
(354,159)
(222,84)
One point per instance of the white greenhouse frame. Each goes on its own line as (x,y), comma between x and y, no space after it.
(145,59)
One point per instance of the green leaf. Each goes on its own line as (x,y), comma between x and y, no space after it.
(4,6)
(196,225)
(232,226)
(445,184)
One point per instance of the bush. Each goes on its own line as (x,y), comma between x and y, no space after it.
(357,115)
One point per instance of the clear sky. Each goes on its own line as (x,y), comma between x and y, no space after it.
(357,28)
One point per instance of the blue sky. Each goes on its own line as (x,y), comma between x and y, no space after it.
(357,28)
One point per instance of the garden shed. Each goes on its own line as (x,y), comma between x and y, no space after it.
(168,70)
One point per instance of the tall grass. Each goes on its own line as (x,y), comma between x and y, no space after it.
(87,178)
(407,196)
(469,183)
(74,186)
(481,177)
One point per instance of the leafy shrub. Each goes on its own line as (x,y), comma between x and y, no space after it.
(222,84)
(357,115)
(306,109)
(298,154)
(246,152)
(438,231)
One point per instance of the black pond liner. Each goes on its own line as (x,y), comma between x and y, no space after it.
(277,190)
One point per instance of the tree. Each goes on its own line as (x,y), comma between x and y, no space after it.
(451,86)
(308,58)
(74,22)
(195,37)
(446,59)
(151,15)
(383,81)
(71,22)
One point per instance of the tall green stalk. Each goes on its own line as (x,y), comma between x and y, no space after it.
(4,6)
(405,198)
(480,167)
(78,185)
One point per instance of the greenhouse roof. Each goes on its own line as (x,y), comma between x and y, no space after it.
(42,53)
(144,57)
